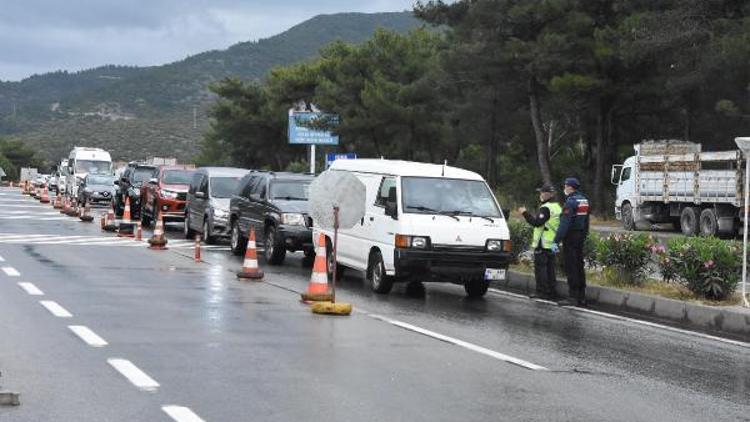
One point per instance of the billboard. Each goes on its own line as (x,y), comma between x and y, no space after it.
(303,132)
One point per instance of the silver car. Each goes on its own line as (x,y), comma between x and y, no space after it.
(207,208)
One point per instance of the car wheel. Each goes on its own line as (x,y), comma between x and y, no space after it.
(187,231)
(207,237)
(273,247)
(476,287)
(380,282)
(237,242)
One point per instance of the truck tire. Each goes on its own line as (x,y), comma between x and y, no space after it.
(628,220)
(689,220)
(709,223)
(379,281)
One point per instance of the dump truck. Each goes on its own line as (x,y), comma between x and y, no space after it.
(671,181)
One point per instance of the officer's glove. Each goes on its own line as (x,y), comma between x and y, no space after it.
(555,249)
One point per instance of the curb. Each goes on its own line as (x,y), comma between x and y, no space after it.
(696,316)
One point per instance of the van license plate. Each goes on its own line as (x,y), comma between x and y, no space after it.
(494,274)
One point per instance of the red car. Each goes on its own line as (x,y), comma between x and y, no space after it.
(166,193)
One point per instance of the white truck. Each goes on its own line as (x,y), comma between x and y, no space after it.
(82,161)
(675,182)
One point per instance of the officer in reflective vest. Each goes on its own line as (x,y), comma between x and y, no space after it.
(573,230)
(545,223)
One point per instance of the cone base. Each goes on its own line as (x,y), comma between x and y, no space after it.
(44,201)
(328,308)
(158,248)
(248,275)
(71,213)
(316,297)
(86,218)
(157,243)
(110,228)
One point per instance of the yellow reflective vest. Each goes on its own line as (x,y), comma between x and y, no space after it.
(547,232)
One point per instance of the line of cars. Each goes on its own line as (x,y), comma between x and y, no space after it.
(423,222)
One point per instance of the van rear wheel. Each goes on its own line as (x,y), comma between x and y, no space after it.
(379,281)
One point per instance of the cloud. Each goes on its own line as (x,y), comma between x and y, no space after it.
(38,36)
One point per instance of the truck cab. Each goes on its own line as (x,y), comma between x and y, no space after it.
(623,176)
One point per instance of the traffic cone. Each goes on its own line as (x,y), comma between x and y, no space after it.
(73,209)
(317,290)
(58,201)
(65,206)
(250,268)
(86,216)
(102,219)
(138,232)
(44,199)
(197,248)
(126,228)
(158,241)
(110,223)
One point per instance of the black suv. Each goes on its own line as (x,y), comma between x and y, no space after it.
(275,204)
(129,186)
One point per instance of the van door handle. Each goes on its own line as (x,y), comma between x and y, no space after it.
(362,221)
(372,218)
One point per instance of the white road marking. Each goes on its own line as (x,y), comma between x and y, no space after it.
(31,289)
(88,336)
(461,343)
(11,272)
(137,377)
(181,414)
(55,309)
(2,259)
(635,321)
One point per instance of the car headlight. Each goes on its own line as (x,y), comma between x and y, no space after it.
(495,245)
(293,219)
(415,242)
(168,194)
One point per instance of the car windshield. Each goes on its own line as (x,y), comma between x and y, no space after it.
(290,190)
(422,195)
(142,174)
(93,167)
(101,180)
(224,187)
(177,177)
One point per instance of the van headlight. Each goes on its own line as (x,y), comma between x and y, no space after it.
(414,242)
(293,219)
(496,245)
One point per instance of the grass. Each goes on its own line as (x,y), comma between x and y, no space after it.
(650,287)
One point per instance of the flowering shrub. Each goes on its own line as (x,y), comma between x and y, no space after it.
(709,267)
(625,257)
(520,235)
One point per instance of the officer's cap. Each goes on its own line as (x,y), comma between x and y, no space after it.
(546,188)
(572,181)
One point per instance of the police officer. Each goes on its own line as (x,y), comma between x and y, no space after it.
(573,230)
(545,222)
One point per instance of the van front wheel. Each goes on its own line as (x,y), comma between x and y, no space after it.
(379,281)
(477,287)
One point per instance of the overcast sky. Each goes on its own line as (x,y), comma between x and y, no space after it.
(38,36)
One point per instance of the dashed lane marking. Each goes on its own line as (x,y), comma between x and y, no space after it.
(11,272)
(181,414)
(55,309)
(49,239)
(31,289)
(88,336)
(466,345)
(133,374)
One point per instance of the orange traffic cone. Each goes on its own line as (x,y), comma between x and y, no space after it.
(110,224)
(57,204)
(127,228)
(317,290)
(102,219)
(44,199)
(250,268)
(86,216)
(138,232)
(65,206)
(158,241)
(197,248)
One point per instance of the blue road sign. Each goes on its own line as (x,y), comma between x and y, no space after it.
(332,156)
(301,135)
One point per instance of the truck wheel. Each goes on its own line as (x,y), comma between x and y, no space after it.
(709,224)
(274,249)
(379,281)
(689,221)
(476,287)
(628,220)
(237,242)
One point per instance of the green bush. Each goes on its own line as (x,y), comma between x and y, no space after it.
(708,267)
(625,257)
(520,235)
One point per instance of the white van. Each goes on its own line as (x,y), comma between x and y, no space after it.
(424,222)
(83,161)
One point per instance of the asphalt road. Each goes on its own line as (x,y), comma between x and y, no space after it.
(159,337)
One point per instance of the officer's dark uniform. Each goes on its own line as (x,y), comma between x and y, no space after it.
(573,230)
(545,223)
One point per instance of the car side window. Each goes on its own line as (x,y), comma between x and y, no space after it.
(204,186)
(385,186)
(259,186)
(195,183)
(247,187)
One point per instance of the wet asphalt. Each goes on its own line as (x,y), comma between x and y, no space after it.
(246,351)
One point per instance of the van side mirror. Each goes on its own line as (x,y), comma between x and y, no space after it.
(391,204)
(200,195)
(154,181)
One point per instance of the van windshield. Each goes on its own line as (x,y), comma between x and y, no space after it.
(425,195)
(224,187)
(93,167)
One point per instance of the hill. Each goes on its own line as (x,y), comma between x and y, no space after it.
(139,111)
